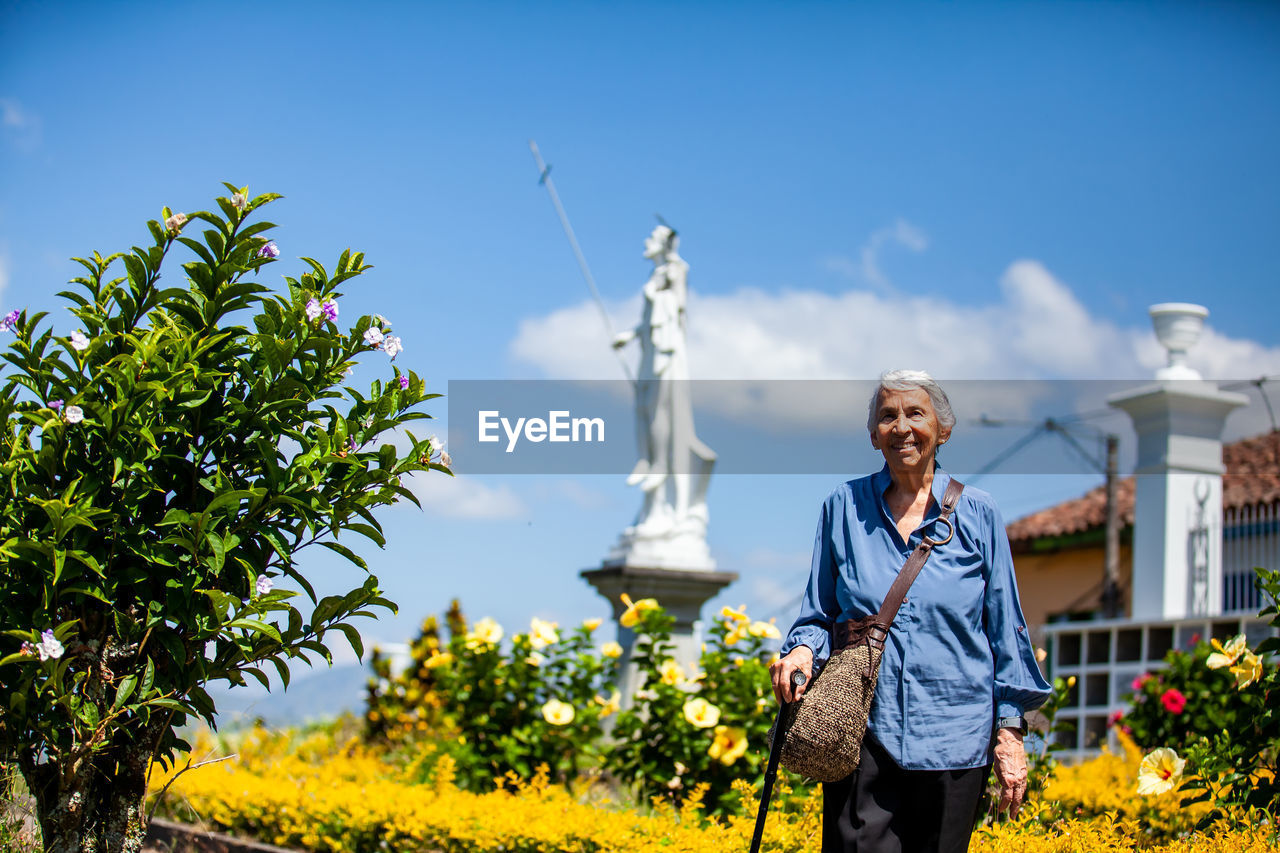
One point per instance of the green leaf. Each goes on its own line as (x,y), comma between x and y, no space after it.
(346,552)
(353,637)
(124,690)
(255,626)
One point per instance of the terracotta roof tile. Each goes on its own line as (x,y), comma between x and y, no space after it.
(1252,478)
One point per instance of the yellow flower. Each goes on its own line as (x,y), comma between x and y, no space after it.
(542,634)
(535,659)
(739,615)
(557,713)
(1228,654)
(611,650)
(631,617)
(610,705)
(1248,670)
(729,744)
(591,624)
(1160,771)
(765,629)
(672,672)
(700,713)
(1041,654)
(487,633)
(438,659)
(737,631)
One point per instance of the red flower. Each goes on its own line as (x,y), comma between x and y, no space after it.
(1116,716)
(1140,680)
(1173,700)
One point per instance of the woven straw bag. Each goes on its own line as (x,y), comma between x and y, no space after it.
(824,739)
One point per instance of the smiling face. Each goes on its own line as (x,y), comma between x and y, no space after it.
(906,429)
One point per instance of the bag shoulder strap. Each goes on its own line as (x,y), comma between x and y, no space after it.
(915,562)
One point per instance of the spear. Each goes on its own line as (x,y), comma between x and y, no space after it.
(544,178)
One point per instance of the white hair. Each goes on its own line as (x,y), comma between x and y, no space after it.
(911,380)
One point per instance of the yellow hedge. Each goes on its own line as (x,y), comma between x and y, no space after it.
(319,796)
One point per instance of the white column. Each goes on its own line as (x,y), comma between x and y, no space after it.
(1177,536)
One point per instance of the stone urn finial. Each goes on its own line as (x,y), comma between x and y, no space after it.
(1178,326)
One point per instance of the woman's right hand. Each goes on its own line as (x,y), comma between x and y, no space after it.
(799,658)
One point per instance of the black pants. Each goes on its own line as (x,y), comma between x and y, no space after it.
(882,808)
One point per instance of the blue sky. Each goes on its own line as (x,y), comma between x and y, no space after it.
(983,190)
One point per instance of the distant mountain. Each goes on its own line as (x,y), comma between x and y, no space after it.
(311,696)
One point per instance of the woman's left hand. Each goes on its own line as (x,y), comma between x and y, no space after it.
(1011,770)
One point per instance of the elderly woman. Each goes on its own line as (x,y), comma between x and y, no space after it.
(958,671)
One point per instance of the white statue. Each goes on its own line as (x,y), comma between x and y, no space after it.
(674,469)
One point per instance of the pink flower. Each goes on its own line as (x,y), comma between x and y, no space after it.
(1140,681)
(1116,716)
(1173,700)
(174,223)
(49,647)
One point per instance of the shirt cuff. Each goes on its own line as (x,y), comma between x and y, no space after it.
(1005,708)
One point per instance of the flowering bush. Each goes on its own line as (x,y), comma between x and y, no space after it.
(163,466)
(321,793)
(495,712)
(1186,700)
(1235,768)
(548,699)
(708,726)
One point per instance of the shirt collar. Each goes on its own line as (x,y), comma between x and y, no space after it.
(941,479)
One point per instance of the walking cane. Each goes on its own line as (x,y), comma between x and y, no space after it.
(771,771)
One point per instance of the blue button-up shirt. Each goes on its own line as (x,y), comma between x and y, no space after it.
(958,654)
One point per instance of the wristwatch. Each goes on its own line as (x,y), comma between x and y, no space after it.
(1018,724)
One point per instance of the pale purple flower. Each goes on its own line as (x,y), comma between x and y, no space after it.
(174,223)
(373,336)
(73,414)
(445,459)
(391,346)
(79,342)
(313,308)
(270,250)
(348,372)
(404,382)
(381,321)
(330,309)
(55,404)
(239,201)
(49,646)
(27,648)
(264,584)
(9,320)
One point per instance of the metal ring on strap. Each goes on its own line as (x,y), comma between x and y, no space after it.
(951,531)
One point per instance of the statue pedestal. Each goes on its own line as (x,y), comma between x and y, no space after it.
(681,592)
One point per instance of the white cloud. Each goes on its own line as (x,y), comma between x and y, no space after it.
(1037,329)
(19,125)
(465,497)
